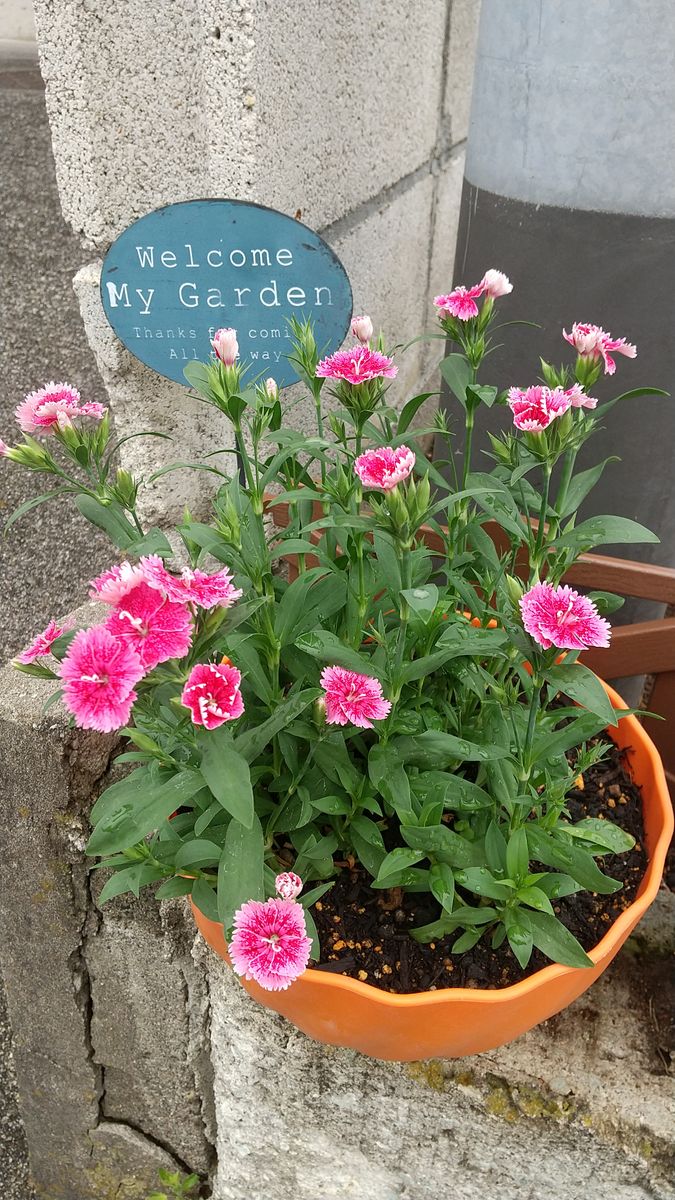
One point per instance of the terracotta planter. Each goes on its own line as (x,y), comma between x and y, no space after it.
(452,1022)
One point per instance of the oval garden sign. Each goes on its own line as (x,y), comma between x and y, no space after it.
(181,272)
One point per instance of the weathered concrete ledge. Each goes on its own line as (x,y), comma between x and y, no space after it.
(137,1048)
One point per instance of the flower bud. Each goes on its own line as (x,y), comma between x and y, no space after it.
(226,346)
(288,885)
(271,389)
(515,589)
(362,328)
(496,283)
(125,488)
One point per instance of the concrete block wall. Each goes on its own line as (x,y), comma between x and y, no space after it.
(354,114)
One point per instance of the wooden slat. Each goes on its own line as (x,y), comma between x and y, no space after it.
(645,648)
(662,700)
(641,580)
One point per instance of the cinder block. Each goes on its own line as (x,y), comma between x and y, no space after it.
(553,1114)
(317,107)
(386,257)
(464,19)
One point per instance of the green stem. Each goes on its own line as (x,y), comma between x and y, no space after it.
(541,530)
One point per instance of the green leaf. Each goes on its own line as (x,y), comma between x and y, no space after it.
(483,883)
(434,747)
(387,774)
(631,395)
(553,939)
(131,879)
(125,821)
(549,746)
(227,774)
(205,899)
(482,394)
(600,531)
(517,855)
(457,374)
(367,842)
(422,600)
(110,518)
(580,684)
(198,376)
(310,598)
(519,934)
(454,791)
(536,898)
(251,743)
(154,542)
(397,860)
(438,839)
(442,885)
(495,847)
(601,833)
(410,409)
(571,859)
(328,648)
(580,485)
(197,853)
(240,870)
(174,887)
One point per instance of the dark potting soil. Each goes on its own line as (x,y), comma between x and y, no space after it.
(364,933)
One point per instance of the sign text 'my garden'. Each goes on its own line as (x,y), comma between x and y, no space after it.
(181,272)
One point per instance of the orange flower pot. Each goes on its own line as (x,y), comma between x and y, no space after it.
(453,1022)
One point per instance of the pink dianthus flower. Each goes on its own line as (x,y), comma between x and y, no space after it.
(122,578)
(496,283)
(270,943)
(352,698)
(384,468)
(590,341)
(99,672)
(288,885)
(42,644)
(559,616)
(534,408)
(56,404)
(212,694)
(157,628)
(226,346)
(358,365)
(194,587)
(362,328)
(578,397)
(460,302)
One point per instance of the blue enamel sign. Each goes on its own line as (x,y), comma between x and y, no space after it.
(181,272)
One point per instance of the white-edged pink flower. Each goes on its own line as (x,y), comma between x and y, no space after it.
(156,627)
(352,698)
(384,468)
(44,408)
(42,644)
(591,341)
(362,329)
(193,587)
(271,389)
(4,449)
(99,673)
(288,885)
(496,283)
(114,584)
(534,408)
(559,616)
(459,303)
(269,943)
(578,397)
(212,694)
(358,365)
(226,346)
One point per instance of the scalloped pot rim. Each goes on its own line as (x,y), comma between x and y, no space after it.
(638,743)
